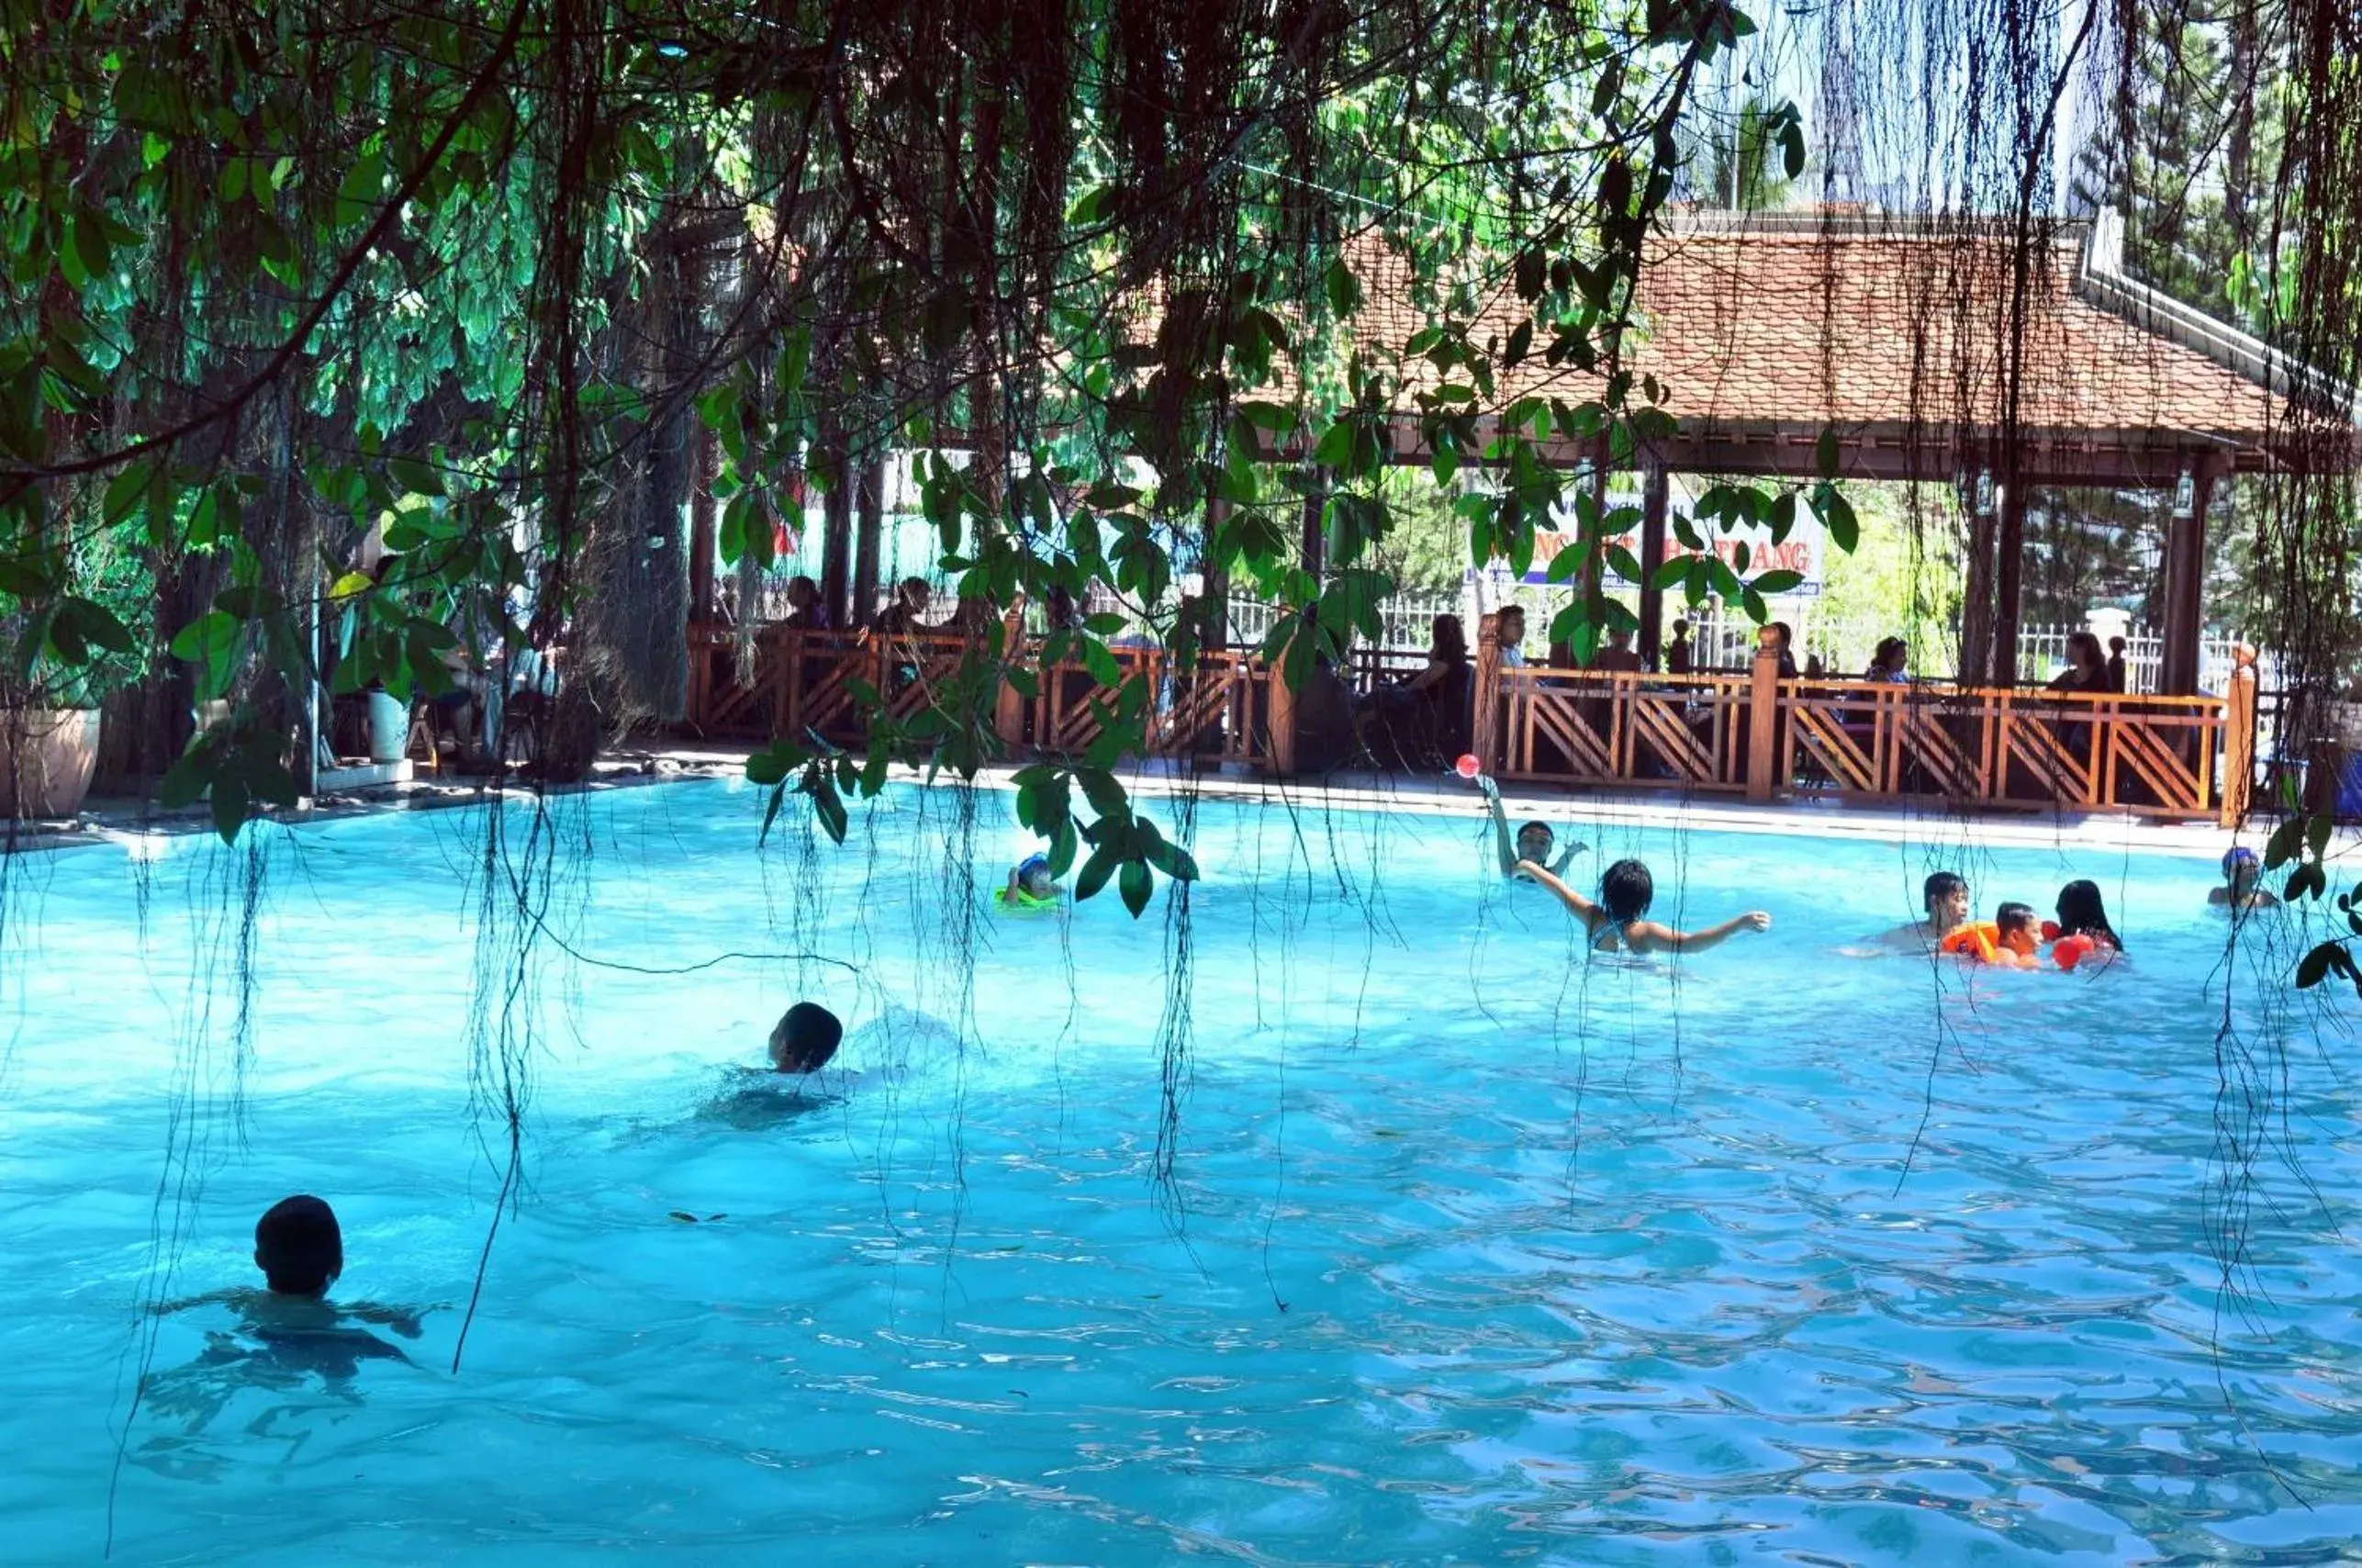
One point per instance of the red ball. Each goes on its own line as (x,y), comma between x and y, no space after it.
(1468,766)
(2072,950)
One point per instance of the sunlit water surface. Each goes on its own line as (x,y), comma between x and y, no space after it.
(1438,1243)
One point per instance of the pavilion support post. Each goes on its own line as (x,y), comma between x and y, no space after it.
(1213,626)
(1008,703)
(1976,603)
(1316,504)
(1484,732)
(1763,724)
(2185,585)
(2009,551)
(1655,488)
(707,459)
(1279,710)
(2239,739)
(869,504)
(837,536)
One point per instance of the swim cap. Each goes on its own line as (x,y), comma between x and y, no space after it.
(2234,859)
(1031,864)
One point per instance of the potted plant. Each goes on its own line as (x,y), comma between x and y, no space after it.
(66,648)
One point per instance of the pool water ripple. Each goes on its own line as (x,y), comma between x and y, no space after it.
(1471,1251)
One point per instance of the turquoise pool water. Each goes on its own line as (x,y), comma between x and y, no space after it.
(1465,1250)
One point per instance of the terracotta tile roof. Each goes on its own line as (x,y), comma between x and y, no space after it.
(1758,327)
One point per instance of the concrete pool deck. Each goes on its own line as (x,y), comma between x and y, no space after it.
(116,819)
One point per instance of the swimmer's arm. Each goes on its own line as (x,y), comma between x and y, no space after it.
(227,1297)
(1574,848)
(1501,841)
(402,1321)
(1583,908)
(1648,936)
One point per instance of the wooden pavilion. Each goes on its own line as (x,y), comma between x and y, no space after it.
(1943,353)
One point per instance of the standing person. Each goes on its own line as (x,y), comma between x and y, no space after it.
(1677,655)
(2116,664)
(1617,922)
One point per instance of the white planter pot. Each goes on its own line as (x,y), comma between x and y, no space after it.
(46,758)
(389,727)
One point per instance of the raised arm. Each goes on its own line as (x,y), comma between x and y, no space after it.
(1581,908)
(1501,840)
(1647,936)
(1575,846)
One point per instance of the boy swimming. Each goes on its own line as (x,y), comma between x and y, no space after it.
(1534,840)
(805,1038)
(1615,924)
(300,1249)
(1944,896)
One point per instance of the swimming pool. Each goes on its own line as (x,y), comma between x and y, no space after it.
(1457,1248)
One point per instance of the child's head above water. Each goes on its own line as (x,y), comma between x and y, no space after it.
(1534,841)
(804,1038)
(1033,875)
(298,1247)
(1945,898)
(2015,922)
(1626,892)
(2241,869)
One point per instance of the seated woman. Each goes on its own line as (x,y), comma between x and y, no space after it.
(1618,922)
(1424,717)
(805,611)
(1891,664)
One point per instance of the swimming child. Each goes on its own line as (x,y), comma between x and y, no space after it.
(1616,922)
(2243,875)
(804,1038)
(1534,840)
(1030,887)
(2083,931)
(300,1249)
(2008,941)
(2015,931)
(1945,897)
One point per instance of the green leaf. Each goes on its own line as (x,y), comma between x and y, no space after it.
(775,762)
(1779,582)
(2314,965)
(1134,887)
(1343,288)
(1095,872)
(1825,453)
(1521,343)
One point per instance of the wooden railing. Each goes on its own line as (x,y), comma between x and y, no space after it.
(808,683)
(1762,735)
(1754,733)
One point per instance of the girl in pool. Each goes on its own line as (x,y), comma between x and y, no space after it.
(2083,929)
(1617,922)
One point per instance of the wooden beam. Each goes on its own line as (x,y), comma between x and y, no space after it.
(869,502)
(2009,560)
(1654,491)
(836,534)
(1976,603)
(2184,587)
